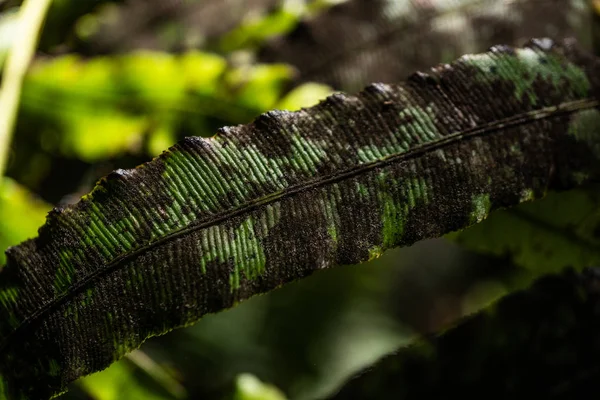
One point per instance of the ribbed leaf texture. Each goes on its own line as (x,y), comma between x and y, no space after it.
(543,341)
(214,221)
(362,41)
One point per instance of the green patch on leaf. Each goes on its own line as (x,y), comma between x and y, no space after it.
(527,68)
(481,208)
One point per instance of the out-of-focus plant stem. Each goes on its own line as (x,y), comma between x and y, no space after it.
(31,17)
(158,374)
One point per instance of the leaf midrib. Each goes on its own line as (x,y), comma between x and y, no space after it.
(566,108)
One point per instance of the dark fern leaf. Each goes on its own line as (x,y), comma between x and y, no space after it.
(214,221)
(543,341)
(363,41)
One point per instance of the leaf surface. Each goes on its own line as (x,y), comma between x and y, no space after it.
(214,221)
(362,41)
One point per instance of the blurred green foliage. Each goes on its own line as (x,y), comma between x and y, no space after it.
(248,387)
(120,382)
(256,31)
(544,236)
(21,214)
(106,106)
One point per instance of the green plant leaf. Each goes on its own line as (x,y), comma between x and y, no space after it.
(105,106)
(536,236)
(541,340)
(119,381)
(214,221)
(257,30)
(361,41)
(21,214)
(249,387)
(305,95)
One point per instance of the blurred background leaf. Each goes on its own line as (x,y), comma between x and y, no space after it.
(136,377)
(248,387)
(561,230)
(21,213)
(541,341)
(106,106)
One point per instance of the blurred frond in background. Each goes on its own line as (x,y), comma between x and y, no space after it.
(114,83)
